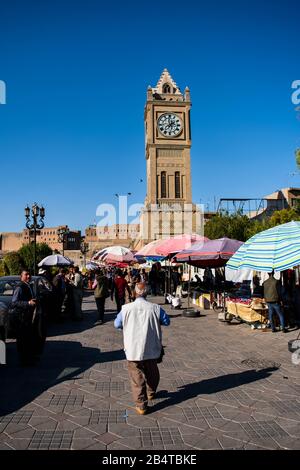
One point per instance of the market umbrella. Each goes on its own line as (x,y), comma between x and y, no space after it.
(55,260)
(211,254)
(149,252)
(178,243)
(91,266)
(173,245)
(277,249)
(115,254)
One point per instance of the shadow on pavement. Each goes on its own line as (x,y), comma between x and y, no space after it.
(60,362)
(210,386)
(69,326)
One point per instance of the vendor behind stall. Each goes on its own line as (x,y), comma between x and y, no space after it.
(272,296)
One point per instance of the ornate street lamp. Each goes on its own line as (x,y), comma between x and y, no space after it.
(34,221)
(62,232)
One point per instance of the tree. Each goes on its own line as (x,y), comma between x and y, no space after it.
(297,155)
(13,263)
(257,226)
(284,216)
(240,227)
(3,269)
(27,254)
(231,226)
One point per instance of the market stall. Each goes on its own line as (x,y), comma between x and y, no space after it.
(250,311)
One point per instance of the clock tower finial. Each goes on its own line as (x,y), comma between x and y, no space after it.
(167,86)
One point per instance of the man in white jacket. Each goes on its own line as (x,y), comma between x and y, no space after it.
(141,323)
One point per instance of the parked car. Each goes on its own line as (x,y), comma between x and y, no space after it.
(40,285)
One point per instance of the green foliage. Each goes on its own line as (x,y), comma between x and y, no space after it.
(284,216)
(27,254)
(3,269)
(257,226)
(297,154)
(233,226)
(13,263)
(240,227)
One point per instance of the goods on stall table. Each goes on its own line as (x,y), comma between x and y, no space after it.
(201,300)
(246,312)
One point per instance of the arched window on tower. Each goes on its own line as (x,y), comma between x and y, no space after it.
(166,88)
(163,183)
(177,185)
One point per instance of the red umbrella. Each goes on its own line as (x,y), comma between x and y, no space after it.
(181,242)
(150,249)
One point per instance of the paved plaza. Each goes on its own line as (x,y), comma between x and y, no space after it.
(223,386)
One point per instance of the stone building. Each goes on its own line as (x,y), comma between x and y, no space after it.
(13,241)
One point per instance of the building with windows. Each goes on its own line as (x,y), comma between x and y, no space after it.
(13,241)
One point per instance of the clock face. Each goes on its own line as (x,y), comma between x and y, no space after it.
(169,125)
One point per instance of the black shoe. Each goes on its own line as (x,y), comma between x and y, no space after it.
(283,330)
(274,330)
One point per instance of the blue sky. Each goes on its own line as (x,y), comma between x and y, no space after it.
(72,131)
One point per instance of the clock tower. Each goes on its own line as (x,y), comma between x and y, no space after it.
(168,142)
(168,147)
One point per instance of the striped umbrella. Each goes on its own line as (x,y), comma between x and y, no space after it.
(277,249)
(117,254)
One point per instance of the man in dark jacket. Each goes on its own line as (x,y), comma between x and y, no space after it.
(59,284)
(27,322)
(101,293)
(272,297)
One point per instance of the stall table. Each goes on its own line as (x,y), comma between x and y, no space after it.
(248,312)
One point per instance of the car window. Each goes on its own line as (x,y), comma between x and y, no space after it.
(7,287)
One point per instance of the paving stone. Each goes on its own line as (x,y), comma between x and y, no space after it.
(44,423)
(227,443)
(123,430)
(118,445)
(264,429)
(46,440)
(194,413)
(107,438)
(94,446)
(215,402)
(4,446)
(21,417)
(12,428)
(25,433)
(19,444)
(202,442)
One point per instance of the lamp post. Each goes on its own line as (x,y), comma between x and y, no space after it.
(34,221)
(84,248)
(61,233)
